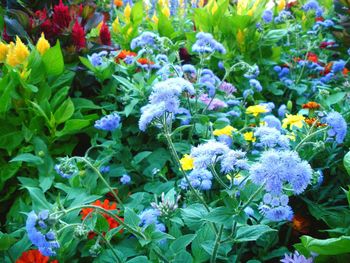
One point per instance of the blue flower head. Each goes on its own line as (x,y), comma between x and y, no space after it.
(108,123)
(146,39)
(296,258)
(200,179)
(267,16)
(268,137)
(206,44)
(254,83)
(97,59)
(40,234)
(234,161)
(125,179)
(66,167)
(338,126)
(150,217)
(338,66)
(272,122)
(276,208)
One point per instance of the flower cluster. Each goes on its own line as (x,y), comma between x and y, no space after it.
(66,167)
(146,39)
(39,231)
(338,126)
(34,255)
(276,208)
(206,44)
(150,217)
(296,258)
(268,137)
(108,123)
(200,179)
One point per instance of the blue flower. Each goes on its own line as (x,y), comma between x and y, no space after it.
(247,93)
(206,154)
(276,208)
(108,123)
(338,66)
(255,84)
(209,80)
(190,69)
(40,234)
(296,258)
(267,16)
(287,170)
(272,122)
(96,59)
(206,44)
(146,39)
(200,179)
(283,16)
(234,161)
(150,217)
(66,167)
(327,78)
(252,73)
(338,126)
(313,6)
(270,138)
(125,179)
(104,169)
(174,4)
(282,110)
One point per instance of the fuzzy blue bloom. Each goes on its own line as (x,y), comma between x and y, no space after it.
(267,16)
(268,137)
(96,59)
(234,161)
(228,88)
(164,98)
(327,78)
(174,4)
(125,179)
(209,80)
(276,208)
(146,39)
(206,154)
(225,139)
(234,113)
(287,170)
(108,123)
(105,169)
(296,258)
(221,65)
(272,122)
(282,111)
(40,234)
(269,105)
(313,6)
(190,69)
(338,66)
(200,179)
(338,126)
(254,83)
(206,44)
(150,217)
(66,168)
(247,93)
(186,118)
(233,102)
(283,16)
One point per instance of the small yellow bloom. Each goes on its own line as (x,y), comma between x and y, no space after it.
(166,11)
(249,137)
(25,73)
(240,38)
(129,31)
(116,25)
(201,3)
(291,136)
(155,19)
(18,53)
(42,45)
(293,120)
(99,26)
(127,12)
(281,5)
(242,6)
(228,130)
(256,110)
(187,162)
(3,52)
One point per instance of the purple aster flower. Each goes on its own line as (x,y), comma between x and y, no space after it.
(287,169)
(338,126)
(296,258)
(108,123)
(40,234)
(228,88)
(267,16)
(213,103)
(206,44)
(125,179)
(200,179)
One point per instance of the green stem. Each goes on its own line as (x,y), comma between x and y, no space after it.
(251,198)
(119,260)
(217,245)
(108,212)
(160,255)
(217,177)
(308,137)
(102,178)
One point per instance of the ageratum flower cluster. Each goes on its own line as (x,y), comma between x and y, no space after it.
(108,123)
(276,208)
(66,167)
(268,137)
(206,44)
(146,39)
(150,217)
(200,179)
(338,126)
(164,99)
(40,233)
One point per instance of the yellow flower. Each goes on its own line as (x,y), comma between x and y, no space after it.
(129,31)
(116,25)
(18,53)
(242,6)
(99,26)
(187,162)
(291,136)
(281,5)
(252,10)
(166,11)
(293,120)
(3,51)
(42,45)
(212,6)
(249,137)
(201,3)
(225,131)
(240,38)
(256,110)
(127,12)
(155,19)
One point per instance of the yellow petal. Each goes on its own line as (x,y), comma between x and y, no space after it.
(42,45)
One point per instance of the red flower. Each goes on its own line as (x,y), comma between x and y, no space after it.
(123,54)
(292,4)
(145,61)
(326,44)
(319,19)
(61,17)
(78,35)
(34,256)
(41,14)
(105,35)
(311,105)
(312,57)
(5,36)
(106,205)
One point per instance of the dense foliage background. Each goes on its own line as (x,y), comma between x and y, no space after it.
(174,131)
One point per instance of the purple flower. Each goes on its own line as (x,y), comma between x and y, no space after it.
(338,126)
(108,123)
(267,16)
(296,258)
(125,179)
(200,179)
(206,44)
(214,103)
(228,88)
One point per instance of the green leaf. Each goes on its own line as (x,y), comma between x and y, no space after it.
(273,36)
(139,259)
(73,126)
(220,215)
(251,233)
(346,162)
(53,60)
(181,243)
(131,218)
(330,246)
(64,112)
(38,198)
(28,158)
(335,98)
(101,224)
(6,241)
(141,156)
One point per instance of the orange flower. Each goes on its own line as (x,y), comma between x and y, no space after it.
(312,57)
(327,68)
(311,105)
(123,54)
(107,206)
(311,121)
(118,3)
(345,71)
(300,224)
(34,256)
(145,61)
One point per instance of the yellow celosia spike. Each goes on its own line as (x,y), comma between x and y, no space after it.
(42,45)
(155,19)
(129,31)
(242,6)
(201,3)
(115,25)
(281,5)
(99,26)
(214,8)
(240,37)
(166,11)
(17,54)
(127,12)
(3,52)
